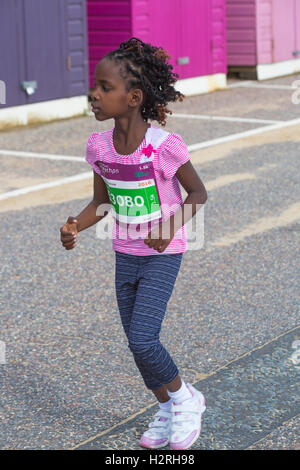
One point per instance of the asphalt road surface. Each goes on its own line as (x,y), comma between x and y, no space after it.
(67,377)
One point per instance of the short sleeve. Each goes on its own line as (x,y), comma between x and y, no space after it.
(92,153)
(174,154)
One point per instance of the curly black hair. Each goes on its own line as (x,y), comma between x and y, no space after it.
(144,66)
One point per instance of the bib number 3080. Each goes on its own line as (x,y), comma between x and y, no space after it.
(127,201)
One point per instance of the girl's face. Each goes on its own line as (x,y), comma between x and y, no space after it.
(109,97)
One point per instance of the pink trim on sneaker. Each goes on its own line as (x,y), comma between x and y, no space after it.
(156,442)
(184,444)
(153,443)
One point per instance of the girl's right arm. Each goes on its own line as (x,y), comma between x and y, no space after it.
(87,216)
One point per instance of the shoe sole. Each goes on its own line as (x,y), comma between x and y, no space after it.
(203,408)
(155,447)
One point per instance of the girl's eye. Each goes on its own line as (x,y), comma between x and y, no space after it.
(103,87)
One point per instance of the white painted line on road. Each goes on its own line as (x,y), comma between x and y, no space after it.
(242,135)
(250,84)
(239,84)
(48,156)
(224,118)
(273,87)
(191,148)
(50,184)
(219,118)
(207,143)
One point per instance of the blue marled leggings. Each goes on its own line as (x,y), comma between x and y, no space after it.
(144,285)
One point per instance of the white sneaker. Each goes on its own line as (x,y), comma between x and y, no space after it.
(186,420)
(159,430)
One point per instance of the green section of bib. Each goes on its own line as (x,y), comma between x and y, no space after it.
(134,202)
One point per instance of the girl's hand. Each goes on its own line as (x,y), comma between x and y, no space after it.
(68,233)
(155,238)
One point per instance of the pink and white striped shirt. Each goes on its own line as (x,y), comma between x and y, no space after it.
(167,158)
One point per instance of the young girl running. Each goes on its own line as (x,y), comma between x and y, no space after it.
(137,170)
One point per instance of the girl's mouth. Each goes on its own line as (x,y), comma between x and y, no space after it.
(95,110)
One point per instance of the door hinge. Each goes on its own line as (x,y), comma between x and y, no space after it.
(69,66)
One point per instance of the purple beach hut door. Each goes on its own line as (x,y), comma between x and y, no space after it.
(11,61)
(43,54)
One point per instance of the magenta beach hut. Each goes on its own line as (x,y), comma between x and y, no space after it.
(193,32)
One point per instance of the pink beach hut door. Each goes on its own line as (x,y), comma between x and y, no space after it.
(297,27)
(285,23)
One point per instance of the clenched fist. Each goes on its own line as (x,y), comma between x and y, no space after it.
(68,233)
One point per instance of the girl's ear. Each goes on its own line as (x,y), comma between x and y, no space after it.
(137,97)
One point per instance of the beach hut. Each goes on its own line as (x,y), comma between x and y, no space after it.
(263,38)
(43,60)
(192,31)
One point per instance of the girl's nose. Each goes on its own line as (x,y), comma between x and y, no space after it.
(91,97)
(94,93)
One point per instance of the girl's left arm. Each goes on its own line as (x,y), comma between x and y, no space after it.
(196,198)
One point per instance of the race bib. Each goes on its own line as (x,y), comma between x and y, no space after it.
(132,191)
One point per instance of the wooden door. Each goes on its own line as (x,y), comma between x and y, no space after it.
(283,30)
